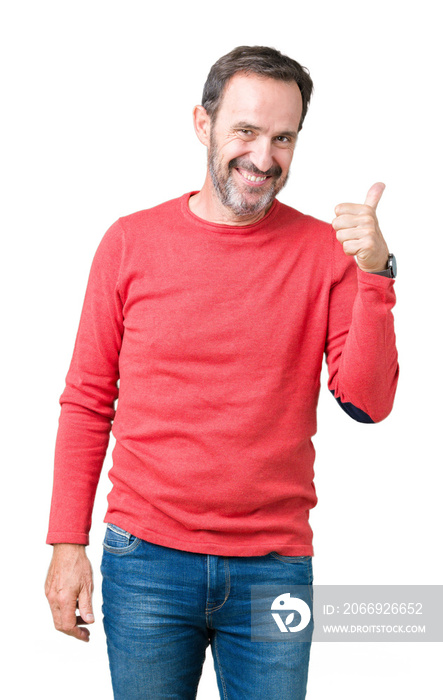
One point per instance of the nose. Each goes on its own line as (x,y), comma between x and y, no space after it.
(261,154)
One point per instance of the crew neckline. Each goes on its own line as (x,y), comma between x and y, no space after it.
(228,230)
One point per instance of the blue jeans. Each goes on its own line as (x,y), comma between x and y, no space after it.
(162,608)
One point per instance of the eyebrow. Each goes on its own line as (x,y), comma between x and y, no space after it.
(246,125)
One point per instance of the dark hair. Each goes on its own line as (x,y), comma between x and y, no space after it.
(261,60)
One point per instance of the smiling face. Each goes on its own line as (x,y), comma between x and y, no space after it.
(251,143)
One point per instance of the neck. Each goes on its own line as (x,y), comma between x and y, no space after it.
(206,205)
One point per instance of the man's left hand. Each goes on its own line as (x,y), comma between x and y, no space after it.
(358,231)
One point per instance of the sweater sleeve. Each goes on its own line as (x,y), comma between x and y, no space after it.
(88,400)
(360,347)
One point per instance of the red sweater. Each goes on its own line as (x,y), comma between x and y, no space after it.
(212,338)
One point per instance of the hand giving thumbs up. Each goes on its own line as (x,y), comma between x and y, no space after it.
(357,228)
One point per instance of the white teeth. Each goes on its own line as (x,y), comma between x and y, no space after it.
(252,178)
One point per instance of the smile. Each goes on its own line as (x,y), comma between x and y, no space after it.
(257,180)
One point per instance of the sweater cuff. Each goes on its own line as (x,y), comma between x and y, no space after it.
(67,538)
(374,280)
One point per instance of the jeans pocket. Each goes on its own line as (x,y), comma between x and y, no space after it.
(301,568)
(289,559)
(119,541)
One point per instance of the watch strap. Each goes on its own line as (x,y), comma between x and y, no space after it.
(383,273)
(391,268)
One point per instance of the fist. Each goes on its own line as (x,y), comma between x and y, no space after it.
(358,231)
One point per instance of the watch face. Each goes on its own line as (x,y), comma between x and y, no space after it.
(392,264)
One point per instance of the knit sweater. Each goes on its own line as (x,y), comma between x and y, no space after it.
(201,345)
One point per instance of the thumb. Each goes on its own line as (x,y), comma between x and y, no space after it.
(374,194)
(85,605)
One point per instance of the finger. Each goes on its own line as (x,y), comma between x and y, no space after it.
(351,247)
(68,620)
(81,621)
(349,234)
(56,616)
(374,194)
(350,221)
(350,208)
(80,633)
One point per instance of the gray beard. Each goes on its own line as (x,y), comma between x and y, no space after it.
(228,193)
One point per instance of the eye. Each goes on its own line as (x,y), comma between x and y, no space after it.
(283,139)
(245,132)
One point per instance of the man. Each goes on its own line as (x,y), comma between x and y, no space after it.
(213,311)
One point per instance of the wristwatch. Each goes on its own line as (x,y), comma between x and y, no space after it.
(391,267)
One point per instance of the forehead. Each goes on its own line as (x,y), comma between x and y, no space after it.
(252,98)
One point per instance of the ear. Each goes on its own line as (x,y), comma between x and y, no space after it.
(202,124)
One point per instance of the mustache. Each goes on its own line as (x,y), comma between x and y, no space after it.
(275,171)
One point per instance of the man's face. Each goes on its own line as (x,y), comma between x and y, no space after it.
(252,141)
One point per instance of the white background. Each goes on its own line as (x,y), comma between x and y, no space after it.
(96,124)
